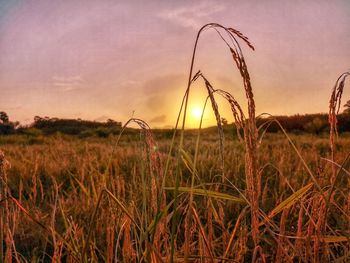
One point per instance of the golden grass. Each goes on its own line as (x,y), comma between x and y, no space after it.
(86,159)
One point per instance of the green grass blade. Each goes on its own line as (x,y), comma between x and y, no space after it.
(207,193)
(291,200)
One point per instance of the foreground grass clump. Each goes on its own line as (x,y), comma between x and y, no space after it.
(58,182)
(194,197)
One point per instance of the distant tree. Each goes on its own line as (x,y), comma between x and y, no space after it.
(37,118)
(4,117)
(347,107)
(111,123)
(224,121)
(6,127)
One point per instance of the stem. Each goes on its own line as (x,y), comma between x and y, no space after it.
(178,170)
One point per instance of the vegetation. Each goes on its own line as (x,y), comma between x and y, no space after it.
(297,124)
(7,127)
(194,196)
(76,127)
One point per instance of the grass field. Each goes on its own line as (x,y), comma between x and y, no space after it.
(58,180)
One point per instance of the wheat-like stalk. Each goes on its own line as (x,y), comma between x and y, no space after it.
(334,106)
(253,182)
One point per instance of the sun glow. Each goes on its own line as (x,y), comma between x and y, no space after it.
(196,113)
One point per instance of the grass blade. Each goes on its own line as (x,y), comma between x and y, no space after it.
(208,193)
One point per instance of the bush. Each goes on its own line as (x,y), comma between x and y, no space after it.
(33,132)
(102,132)
(7,128)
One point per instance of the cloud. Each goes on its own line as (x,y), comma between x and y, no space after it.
(159,119)
(102,118)
(164,83)
(193,16)
(130,83)
(67,83)
(16,107)
(159,90)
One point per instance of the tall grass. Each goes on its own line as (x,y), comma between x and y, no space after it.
(334,107)
(196,197)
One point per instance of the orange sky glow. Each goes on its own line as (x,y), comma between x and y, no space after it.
(116,59)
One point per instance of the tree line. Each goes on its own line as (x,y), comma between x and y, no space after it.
(307,123)
(47,126)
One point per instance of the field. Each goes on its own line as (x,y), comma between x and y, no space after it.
(57,181)
(207,195)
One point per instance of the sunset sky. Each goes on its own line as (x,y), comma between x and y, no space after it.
(112,59)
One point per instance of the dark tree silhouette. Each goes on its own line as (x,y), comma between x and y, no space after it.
(224,121)
(6,127)
(37,118)
(4,117)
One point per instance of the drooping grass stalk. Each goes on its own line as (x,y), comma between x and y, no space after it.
(178,170)
(239,123)
(210,96)
(250,133)
(250,130)
(334,106)
(187,217)
(215,108)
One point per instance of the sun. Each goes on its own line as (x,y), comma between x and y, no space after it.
(196,113)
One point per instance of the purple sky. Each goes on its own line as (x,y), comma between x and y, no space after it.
(107,59)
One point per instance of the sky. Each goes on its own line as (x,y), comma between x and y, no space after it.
(117,59)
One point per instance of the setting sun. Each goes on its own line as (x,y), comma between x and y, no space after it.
(197,113)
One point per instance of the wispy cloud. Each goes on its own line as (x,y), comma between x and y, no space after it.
(102,118)
(159,91)
(192,16)
(67,83)
(16,107)
(158,119)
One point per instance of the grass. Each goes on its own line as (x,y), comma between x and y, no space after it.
(78,168)
(195,197)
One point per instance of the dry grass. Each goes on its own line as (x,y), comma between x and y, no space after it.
(79,171)
(191,198)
